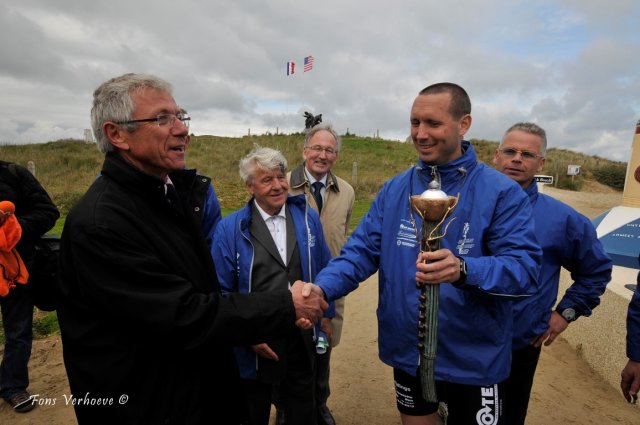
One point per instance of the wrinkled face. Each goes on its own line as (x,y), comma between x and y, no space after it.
(317,160)
(523,164)
(436,134)
(270,188)
(155,149)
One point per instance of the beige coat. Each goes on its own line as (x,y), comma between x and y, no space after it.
(335,216)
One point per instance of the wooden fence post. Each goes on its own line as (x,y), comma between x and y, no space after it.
(354,174)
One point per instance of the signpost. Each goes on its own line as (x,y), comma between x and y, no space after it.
(541,180)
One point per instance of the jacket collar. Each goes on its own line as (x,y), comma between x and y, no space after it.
(299,179)
(453,169)
(299,201)
(143,184)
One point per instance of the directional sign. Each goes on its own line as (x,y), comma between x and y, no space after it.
(544,179)
(573,170)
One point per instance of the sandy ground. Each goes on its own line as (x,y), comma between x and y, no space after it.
(566,389)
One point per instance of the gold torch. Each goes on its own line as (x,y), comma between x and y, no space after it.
(433,206)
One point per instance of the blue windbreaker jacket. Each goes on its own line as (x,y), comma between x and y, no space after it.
(569,240)
(211,215)
(232,252)
(492,231)
(633,324)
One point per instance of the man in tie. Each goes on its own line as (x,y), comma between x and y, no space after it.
(146,333)
(333,198)
(266,246)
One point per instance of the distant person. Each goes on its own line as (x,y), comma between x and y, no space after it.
(568,240)
(630,376)
(333,198)
(36,215)
(489,257)
(274,241)
(147,336)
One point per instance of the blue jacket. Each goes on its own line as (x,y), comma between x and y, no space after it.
(232,252)
(569,240)
(493,231)
(633,324)
(211,215)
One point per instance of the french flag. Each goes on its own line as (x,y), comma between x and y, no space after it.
(291,68)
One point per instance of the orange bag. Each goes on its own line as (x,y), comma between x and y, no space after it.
(13,268)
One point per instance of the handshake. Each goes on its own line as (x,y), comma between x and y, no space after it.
(309,302)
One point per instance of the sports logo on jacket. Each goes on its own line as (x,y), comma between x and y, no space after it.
(407,234)
(465,244)
(312,240)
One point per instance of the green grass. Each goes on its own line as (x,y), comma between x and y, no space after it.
(45,324)
(66,168)
(360,208)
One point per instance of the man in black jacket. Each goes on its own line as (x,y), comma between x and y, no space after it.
(147,337)
(36,214)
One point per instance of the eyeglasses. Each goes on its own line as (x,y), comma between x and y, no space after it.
(318,149)
(163,120)
(511,153)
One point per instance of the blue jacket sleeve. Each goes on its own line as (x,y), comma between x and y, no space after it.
(211,215)
(633,326)
(224,256)
(512,263)
(359,258)
(590,266)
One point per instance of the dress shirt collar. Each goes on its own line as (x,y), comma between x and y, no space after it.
(312,179)
(265,216)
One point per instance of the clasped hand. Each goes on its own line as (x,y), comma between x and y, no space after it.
(309,302)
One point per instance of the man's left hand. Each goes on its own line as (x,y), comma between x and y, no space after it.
(263,350)
(557,325)
(630,381)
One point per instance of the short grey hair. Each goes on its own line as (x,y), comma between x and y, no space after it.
(321,127)
(531,128)
(112,101)
(265,158)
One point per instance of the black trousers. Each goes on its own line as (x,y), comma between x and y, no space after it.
(17,320)
(295,390)
(518,386)
(466,404)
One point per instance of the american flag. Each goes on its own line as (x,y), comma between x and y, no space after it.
(308,63)
(291,68)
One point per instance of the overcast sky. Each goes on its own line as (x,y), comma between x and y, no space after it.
(572,66)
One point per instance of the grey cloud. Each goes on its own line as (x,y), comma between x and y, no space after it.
(572,68)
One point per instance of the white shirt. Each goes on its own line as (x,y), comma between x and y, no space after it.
(312,180)
(277,225)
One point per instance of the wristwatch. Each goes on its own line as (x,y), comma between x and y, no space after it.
(463,273)
(568,314)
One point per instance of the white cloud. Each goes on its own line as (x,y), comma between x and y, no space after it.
(570,65)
